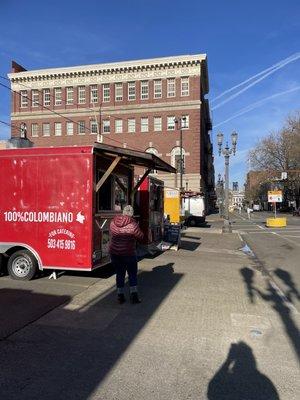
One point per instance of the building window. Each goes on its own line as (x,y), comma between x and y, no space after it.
(57,96)
(94,127)
(118,125)
(144,90)
(81,128)
(157,124)
(131,125)
(152,150)
(171,123)
(106,92)
(175,158)
(185,86)
(70,95)
(35,98)
(131,90)
(34,130)
(94,93)
(106,126)
(185,122)
(46,129)
(46,97)
(144,125)
(119,91)
(157,89)
(57,129)
(24,98)
(171,88)
(81,95)
(70,128)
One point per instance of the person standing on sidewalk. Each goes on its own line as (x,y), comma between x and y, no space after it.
(124,232)
(249,211)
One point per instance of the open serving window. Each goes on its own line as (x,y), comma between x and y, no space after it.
(114,175)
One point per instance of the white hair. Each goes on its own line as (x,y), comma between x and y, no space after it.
(128,210)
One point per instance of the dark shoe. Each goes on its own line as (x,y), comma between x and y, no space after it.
(134,298)
(121,298)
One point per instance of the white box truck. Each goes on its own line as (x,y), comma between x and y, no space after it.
(194,208)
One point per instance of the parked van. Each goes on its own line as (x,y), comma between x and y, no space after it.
(194,207)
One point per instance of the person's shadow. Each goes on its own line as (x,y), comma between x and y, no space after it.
(287,279)
(239,379)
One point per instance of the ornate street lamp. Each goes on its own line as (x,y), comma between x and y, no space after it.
(227,151)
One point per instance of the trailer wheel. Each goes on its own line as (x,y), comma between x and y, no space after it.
(22,265)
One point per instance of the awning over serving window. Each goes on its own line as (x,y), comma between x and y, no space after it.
(134,157)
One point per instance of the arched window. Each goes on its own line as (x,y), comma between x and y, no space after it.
(152,150)
(175,158)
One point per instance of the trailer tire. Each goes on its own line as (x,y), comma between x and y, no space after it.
(22,265)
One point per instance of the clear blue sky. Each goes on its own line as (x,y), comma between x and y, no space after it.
(241,38)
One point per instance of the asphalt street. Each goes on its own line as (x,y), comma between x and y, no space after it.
(211,326)
(278,250)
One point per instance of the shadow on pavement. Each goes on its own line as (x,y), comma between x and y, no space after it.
(278,303)
(239,379)
(185,236)
(189,245)
(68,353)
(287,279)
(19,308)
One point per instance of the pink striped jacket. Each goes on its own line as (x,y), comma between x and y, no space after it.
(124,232)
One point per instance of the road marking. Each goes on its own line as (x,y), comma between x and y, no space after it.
(240,237)
(291,236)
(288,240)
(283,297)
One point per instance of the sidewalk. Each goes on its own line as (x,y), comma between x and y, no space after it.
(177,344)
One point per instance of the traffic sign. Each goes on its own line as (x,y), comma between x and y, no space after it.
(275,196)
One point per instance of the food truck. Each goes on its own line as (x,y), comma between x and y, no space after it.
(56,204)
(149,205)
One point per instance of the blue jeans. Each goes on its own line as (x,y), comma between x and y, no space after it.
(123,264)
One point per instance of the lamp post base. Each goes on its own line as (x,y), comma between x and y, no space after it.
(227,226)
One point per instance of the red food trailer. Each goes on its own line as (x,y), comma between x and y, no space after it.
(56,204)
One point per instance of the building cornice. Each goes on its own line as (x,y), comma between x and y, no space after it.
(186,65)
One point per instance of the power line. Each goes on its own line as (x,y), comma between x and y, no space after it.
(41,91)
(8,124)
(64,101)
(191,89)
(61,115)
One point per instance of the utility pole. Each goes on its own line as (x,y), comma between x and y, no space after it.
(182,121)
(226,153)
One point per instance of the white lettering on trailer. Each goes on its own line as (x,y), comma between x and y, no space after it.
(60,243)
(40,216)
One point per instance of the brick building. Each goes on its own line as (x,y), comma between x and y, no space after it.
(136,104)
